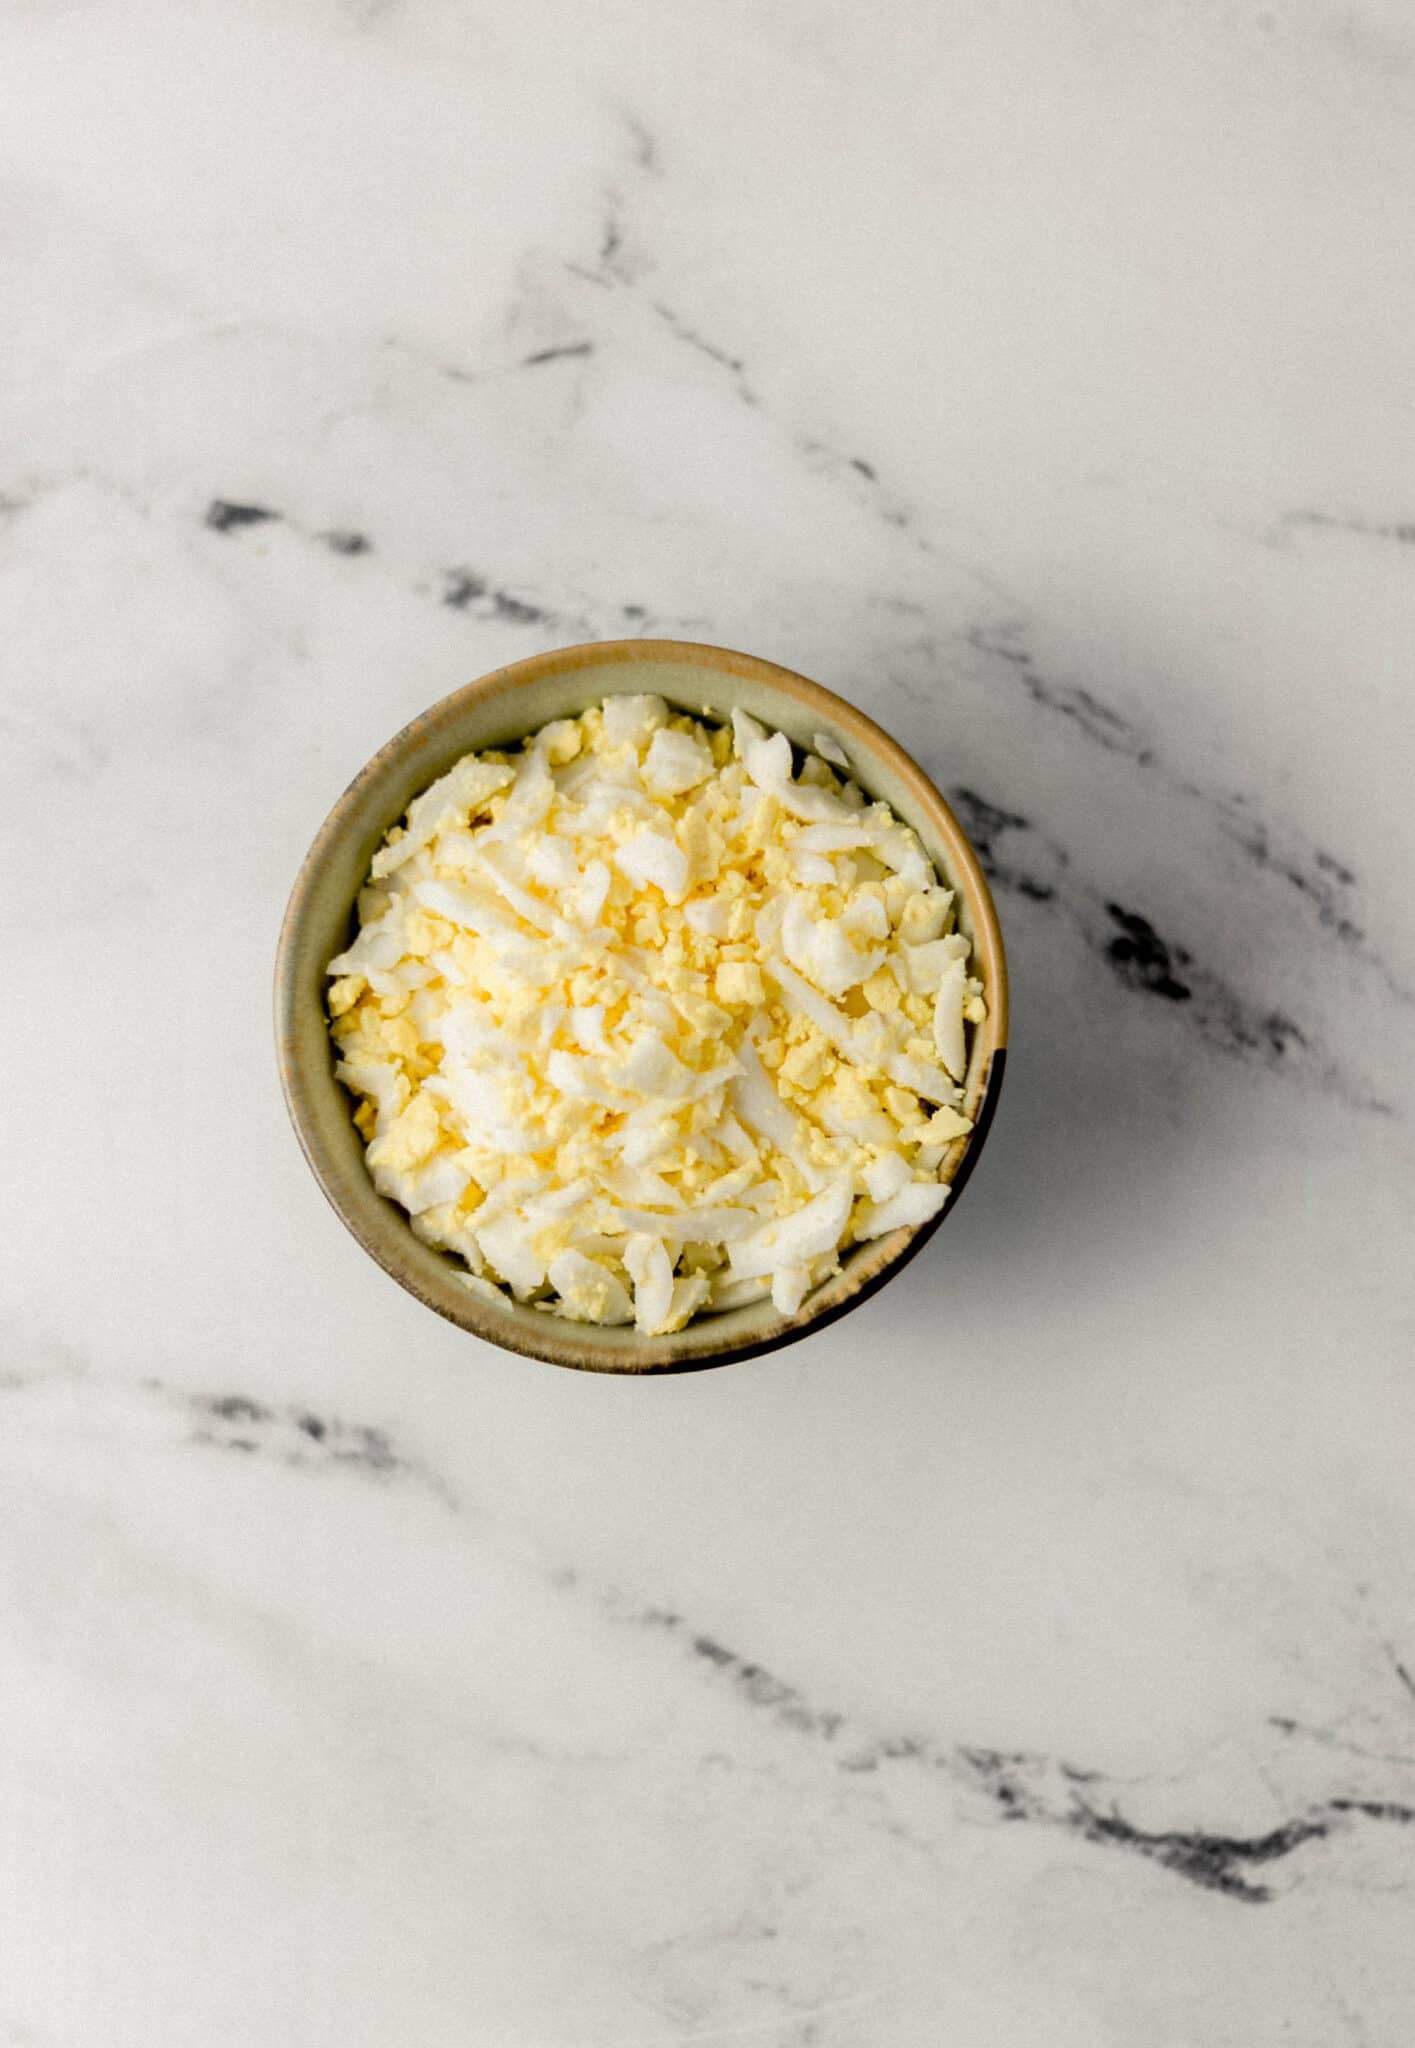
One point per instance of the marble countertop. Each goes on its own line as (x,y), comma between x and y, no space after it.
(1028,1661)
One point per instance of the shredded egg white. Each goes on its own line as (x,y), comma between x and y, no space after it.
(645,1023)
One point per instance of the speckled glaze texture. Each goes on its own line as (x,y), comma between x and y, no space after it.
(505,707)
(1026,1660)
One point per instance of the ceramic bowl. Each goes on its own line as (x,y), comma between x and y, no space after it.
(497,710)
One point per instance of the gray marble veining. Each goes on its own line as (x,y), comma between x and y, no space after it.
(1030,1658)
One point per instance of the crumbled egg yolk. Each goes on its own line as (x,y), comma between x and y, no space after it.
(643,1023)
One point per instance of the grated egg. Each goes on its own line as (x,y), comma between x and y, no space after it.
(646,1022)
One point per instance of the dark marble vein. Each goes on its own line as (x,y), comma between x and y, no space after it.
(518,609)
(558,354)
(1322,882)
(297,1437)
(1343,1745)
(691,337)
(1023,1787)
(1320,879)
(464,590)
(757,1686)
(1241,1028)
(617,266)
(869,486)
(1317,876)
(1021,861)
(1402,531)
(701,344)
(995,833)
(643,143)
(1217,1863)
(224,515)
(616,262)
(1396,1810)
(461,589)
(1099,721)
(1142,960)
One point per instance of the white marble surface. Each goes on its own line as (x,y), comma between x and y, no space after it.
(1031,1658)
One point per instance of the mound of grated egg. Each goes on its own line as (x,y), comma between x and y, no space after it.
(644,1023)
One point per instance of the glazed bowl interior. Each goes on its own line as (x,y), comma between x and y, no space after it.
(497,711)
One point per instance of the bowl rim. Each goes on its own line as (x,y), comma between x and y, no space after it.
(384,1231)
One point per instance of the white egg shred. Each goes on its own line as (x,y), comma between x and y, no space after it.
(652,1018)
